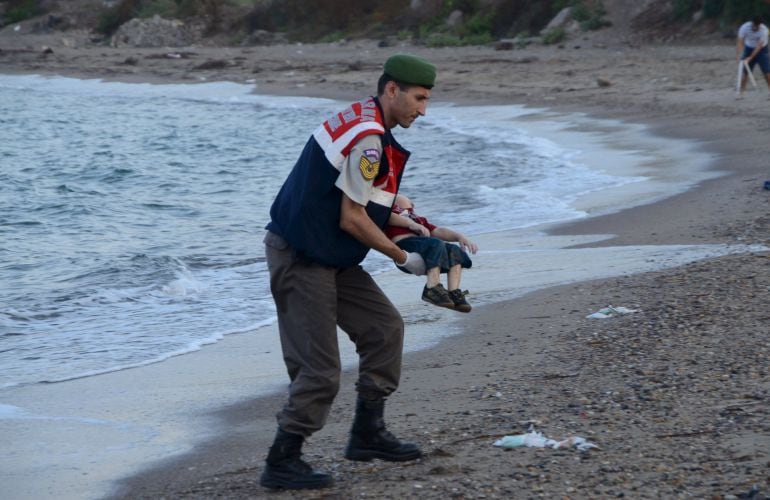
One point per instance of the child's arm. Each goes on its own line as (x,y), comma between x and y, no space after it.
(401,221)
(446,234)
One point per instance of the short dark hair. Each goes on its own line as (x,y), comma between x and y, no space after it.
(756,20)
(384,79)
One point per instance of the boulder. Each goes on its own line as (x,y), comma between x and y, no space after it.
(560,21)
(153,32)
(455,18)
(263,37)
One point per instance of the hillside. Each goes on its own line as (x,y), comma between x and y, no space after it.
(433,23)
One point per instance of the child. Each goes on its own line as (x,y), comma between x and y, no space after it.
(414,233)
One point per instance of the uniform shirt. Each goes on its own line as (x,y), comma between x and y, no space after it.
(364,157)
(352,153)
(751,38)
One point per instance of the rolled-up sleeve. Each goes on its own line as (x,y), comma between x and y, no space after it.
(360,169)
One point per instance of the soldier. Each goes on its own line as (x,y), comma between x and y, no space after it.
(326,217)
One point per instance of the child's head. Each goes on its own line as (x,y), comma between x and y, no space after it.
(403,202)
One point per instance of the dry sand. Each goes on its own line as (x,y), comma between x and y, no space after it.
(677,396)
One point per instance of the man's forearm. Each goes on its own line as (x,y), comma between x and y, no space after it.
(355,221)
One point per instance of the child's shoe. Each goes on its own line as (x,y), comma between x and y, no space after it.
(438,296)
(458,298)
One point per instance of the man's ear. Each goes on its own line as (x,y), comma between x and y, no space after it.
(390,89)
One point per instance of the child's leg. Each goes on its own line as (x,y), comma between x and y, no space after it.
(453,277)
(434,292)
(457,295)
(433,275)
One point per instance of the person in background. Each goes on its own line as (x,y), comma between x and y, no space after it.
(751,46)
(326,217)
(414,233)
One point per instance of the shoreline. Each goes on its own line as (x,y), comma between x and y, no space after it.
(506,396)
(588,142)
(468,371)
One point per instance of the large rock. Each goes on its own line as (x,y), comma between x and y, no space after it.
(262,37)
(560,21)
(153,32)
(455,19)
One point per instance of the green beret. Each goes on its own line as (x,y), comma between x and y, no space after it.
(413,70)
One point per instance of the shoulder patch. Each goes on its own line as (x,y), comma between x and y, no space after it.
(369,169)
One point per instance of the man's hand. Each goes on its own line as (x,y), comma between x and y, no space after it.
(412,263)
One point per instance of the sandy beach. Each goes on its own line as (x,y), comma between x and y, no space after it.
(676,395)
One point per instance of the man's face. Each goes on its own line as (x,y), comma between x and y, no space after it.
(406,105)
(754,26)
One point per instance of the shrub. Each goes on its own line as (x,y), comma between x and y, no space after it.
(443,40)
(111,19)
(555,35)
(19,10)
(683,9)
(590,14)
(404,35)
(162,8)
(713,8)
(332,37)
(478,24)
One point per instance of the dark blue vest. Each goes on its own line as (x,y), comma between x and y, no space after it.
(306,211)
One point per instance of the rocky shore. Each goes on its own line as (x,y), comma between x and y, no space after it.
(676,396)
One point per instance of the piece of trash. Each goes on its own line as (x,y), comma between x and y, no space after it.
(530,439)
(577,442)
(611,312)
(534,439)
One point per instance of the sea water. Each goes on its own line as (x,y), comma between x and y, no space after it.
(132,215)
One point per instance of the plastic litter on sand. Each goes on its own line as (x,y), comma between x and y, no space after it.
(535,439)
(611,312)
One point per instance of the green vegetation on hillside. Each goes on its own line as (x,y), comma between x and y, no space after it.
(19,10)
(473,21)
(727,12)
(211,11)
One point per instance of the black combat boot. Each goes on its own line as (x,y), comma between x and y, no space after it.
(369,439)
(285,469)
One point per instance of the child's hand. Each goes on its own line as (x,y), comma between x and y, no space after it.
(467,245)
(419,229)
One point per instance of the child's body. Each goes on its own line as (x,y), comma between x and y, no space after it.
(414,233)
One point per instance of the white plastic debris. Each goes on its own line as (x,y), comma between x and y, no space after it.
(531,439)
(611,312)
(534,439)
